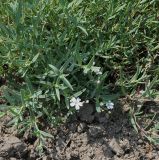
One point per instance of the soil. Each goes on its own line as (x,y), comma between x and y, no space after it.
(88,135)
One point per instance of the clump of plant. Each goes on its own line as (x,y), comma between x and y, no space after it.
(57,55)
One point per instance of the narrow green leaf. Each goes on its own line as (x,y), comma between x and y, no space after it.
(45,134)
(29,85)
(134,124)
(2,114)
(121,8)
(54,68)
(4,107)
(77,94)
(67,103)
(65,65)
(35,58)
(157,126)
(155,48)
(90,64)
(67,83)
(57,93)
(98,108)
(83,29)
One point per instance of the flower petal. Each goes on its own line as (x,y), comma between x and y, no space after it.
(87,101)
(78,100)
(110,105)
(73,99)
(80,104)
(72,104)
(101,103)
(77,107)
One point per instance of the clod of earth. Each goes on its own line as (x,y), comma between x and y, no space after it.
(12,147)
(114,145)
(86,113)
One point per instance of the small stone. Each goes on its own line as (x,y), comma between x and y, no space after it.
(75,154)
(137,153)
(96,131)
(140,141)
(153,155)
(125,145)
(90,153)
(12,158)
(86,158)
(126,156)
(115,147)
(60,144)
(32,154)
(73,127)
(81,127)
(45,158)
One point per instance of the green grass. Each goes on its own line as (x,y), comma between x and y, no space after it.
(47,50)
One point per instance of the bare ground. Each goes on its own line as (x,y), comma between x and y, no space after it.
(87,136)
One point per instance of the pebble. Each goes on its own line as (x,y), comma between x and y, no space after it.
(75,153)
(137,154)
(12,158)
(45,158)
(125,144)
(81,127)
(115,147)
(140,141)
(154,155)
(73,127)
(96,131)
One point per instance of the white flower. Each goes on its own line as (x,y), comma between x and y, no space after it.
(85,59)
(76,102)
(101,103)
(110,105)
(98,81)
(100,73)
(87,101)
(96,70)
(94,63)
